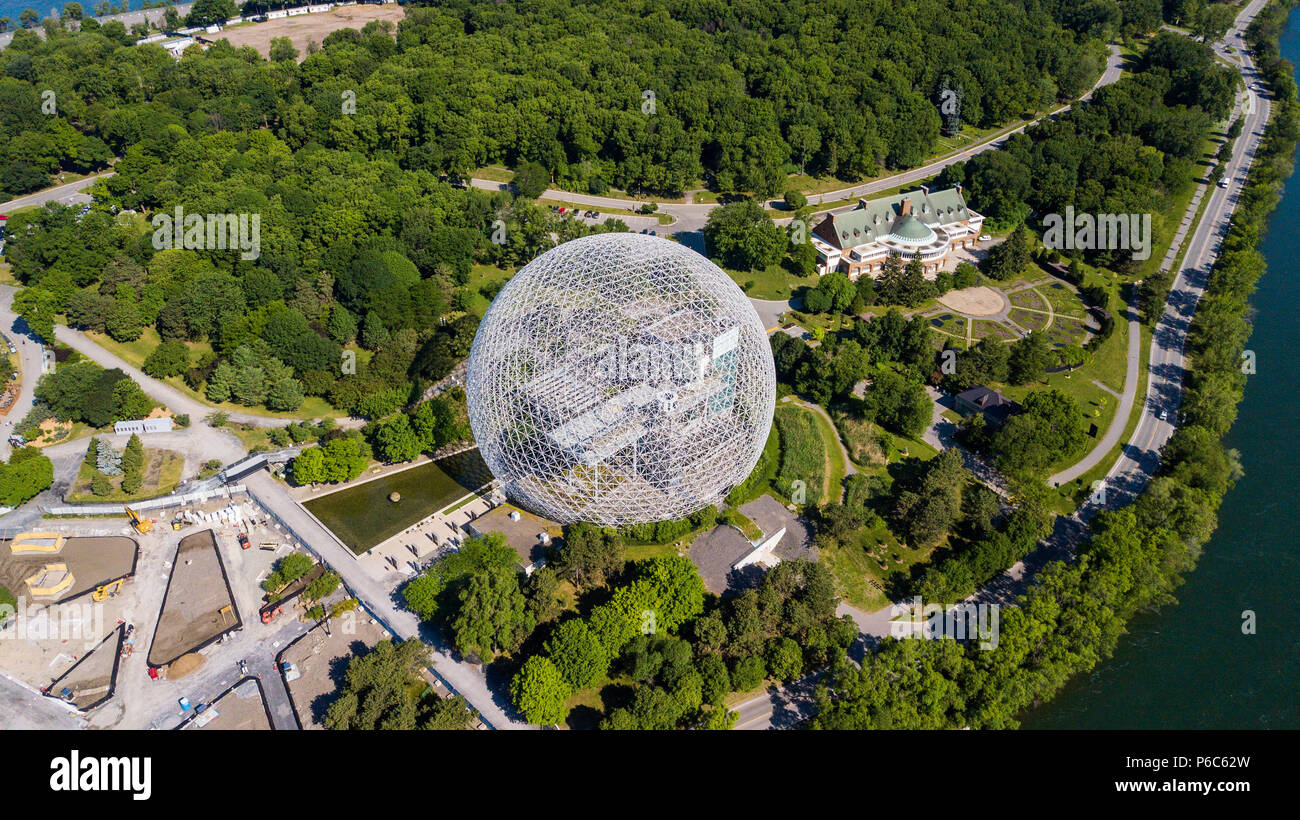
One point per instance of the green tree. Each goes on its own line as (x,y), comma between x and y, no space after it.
(396,440)
(577,654)
(590,555)
(133,465)
(741,235)
(27,473)
(493,614)
(376,691)
(531,180)
(540,692)
(1029,358)
(282,50)
(170,358)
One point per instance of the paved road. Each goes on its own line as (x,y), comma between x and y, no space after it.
(779,708)
(461,677)
(174,399)
(68,193)
(690,217)
(1114,63)
(22,707)
(1140,458)
(29,353)
(128,19)
(1166,362)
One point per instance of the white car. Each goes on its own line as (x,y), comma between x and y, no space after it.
(985,237)
(1164,415)
(1223,183)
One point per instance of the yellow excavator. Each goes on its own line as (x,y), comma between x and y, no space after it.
(142,525)
(109,590)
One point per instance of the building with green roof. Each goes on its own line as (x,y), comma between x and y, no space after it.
(927,223)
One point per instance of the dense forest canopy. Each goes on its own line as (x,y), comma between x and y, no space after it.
(364,237)
(743,92)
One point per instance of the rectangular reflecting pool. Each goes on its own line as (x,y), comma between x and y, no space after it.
(362,516)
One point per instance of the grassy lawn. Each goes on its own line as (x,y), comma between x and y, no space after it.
(494,173)
(963,139)
(865,441)
(664,219)
(1064,301)
(481,276)
(1029,298)
(804,453)
(134,353)
(1073,494)
(773,282)
(835,457)
(863,564)
(162,473)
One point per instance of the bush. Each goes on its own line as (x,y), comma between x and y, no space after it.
(322,586)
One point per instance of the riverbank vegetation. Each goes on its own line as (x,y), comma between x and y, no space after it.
(1134,560)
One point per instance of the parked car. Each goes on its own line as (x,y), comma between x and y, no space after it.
(1164,415)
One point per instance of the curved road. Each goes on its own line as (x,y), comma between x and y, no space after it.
(1141,457)
(690,218)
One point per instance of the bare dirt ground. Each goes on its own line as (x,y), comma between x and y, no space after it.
(195,595)
(91,560)
(91,679)
(241,708)
(978,301)
(308,27)
(322,659)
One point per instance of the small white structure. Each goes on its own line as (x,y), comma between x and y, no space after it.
(277,14)
(764,553)
(177,45)
(319,7)
(294,12)
(158,425)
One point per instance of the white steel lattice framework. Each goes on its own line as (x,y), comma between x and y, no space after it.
(620,378)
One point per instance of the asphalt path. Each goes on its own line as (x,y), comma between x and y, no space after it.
(1166,363)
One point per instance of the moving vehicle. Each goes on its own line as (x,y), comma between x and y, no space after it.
(1223,183)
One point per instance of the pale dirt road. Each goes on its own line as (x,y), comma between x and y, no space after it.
(305,28)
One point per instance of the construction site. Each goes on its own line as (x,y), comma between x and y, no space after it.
(242,707)
(313,665)
(49,567)
(199,606)
(92,680)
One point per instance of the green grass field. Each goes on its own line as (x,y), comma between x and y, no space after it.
(804,455)
(162,473)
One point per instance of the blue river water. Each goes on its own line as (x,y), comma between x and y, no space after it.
(46,8)
(1190,666)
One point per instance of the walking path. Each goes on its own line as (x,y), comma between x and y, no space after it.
(1140,459)
(1132,375)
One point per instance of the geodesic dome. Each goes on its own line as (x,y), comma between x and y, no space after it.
(620,379)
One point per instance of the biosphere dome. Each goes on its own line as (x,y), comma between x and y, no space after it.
(620,378)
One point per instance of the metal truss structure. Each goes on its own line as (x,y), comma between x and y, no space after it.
(619,379)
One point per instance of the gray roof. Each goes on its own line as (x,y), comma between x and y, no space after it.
(875,219)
